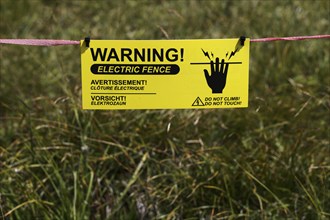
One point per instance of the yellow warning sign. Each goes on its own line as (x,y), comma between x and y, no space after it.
(165,74)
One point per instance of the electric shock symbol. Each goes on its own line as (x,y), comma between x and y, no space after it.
(198,102)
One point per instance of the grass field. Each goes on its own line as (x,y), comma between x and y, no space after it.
(269,161)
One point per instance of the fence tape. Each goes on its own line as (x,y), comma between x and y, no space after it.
(49,42)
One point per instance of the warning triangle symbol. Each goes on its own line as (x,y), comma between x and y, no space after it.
(198,102)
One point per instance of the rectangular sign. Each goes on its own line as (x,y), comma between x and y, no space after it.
(165,74)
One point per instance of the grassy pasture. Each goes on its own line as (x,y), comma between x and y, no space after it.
(269,161)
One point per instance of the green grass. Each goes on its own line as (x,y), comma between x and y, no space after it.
(269,161)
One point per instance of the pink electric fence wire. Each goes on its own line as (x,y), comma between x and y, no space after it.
(293,38)
(39,42)
(47,42)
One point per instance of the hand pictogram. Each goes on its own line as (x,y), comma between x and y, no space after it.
(218,77)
